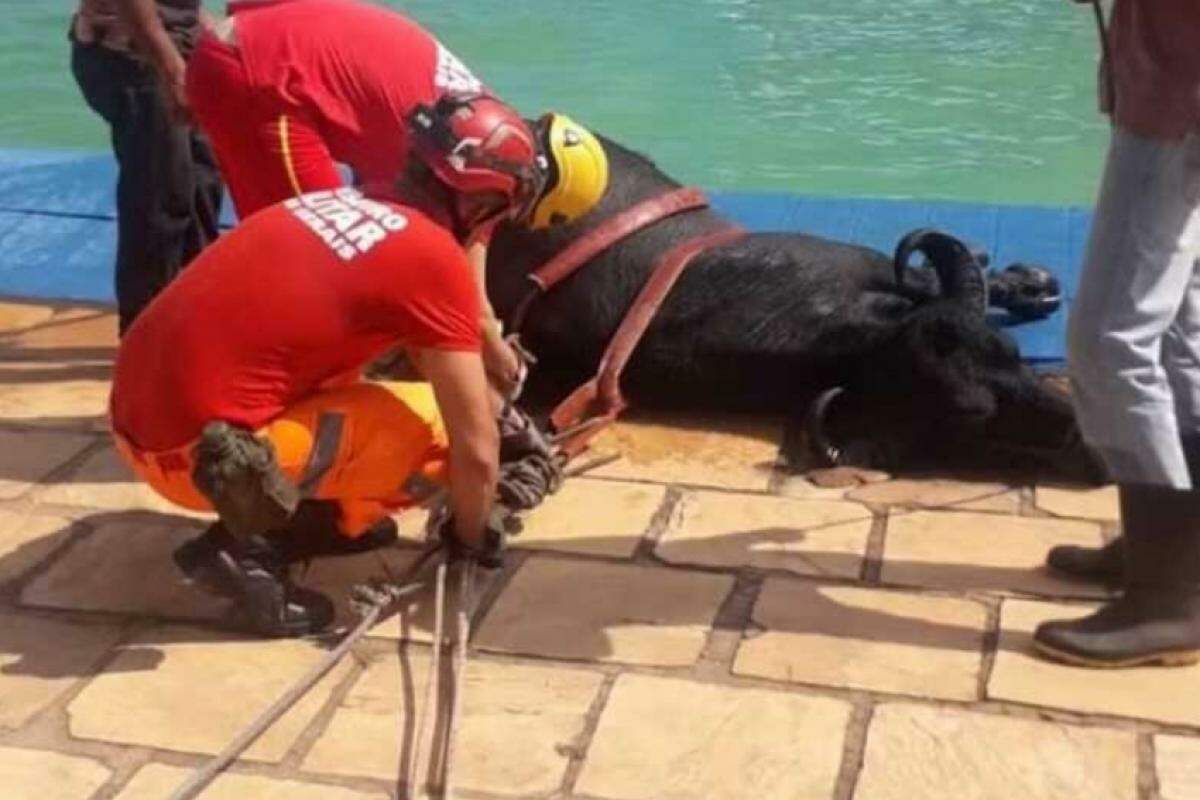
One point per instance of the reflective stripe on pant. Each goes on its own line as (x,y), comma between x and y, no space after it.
(1133,336)
(268,149)
(389,439)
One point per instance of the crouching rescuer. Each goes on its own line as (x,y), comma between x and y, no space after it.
(238,390)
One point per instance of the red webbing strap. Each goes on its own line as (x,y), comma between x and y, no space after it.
(613,230)
(596,403)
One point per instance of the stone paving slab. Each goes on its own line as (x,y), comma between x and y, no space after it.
(41,658)
(658,737)
(44,367)
(722,452)
(519,724)
(27,457)
(977,551)
(70,331)
(1153,693)
(104,481)
(125,566)
(1083,502)
(66,403)
(156,781)
(26,539)
(807,537)
(336,577)
(869,639)
(410,524)
(604,612)
(1177,760)
(591,517)
(193,690)
(586,517)
(55,395)
(18,316)
(949,754)
(43,775)
(800,487)
(677,739)
(940,493)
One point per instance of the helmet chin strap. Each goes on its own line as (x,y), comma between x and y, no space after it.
(424,192)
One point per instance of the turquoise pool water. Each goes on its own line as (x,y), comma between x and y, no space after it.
(974,100)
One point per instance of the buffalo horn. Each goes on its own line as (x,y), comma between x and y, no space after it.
(958,269)
(820,446)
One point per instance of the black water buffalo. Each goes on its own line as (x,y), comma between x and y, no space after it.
(892,366)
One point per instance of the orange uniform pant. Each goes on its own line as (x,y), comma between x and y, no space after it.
(390,444)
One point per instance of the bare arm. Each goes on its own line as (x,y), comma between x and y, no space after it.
(146,28)
(499,360)
(461,389)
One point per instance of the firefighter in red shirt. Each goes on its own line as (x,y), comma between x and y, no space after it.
(285,89)
(237,390)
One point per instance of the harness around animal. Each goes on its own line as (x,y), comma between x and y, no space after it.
(591,407)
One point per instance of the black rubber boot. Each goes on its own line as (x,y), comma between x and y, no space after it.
(313,532)
(1157,619)
(255,576)
(238,474)
(1107,564)
(1100,564)
(1191,454)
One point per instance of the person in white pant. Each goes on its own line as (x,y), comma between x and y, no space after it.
(1134,330)
(1133,346)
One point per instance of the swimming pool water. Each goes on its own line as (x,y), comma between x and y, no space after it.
(973,100)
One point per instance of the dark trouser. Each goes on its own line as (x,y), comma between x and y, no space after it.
(168,189)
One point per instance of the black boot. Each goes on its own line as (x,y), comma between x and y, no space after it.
(1107,564)
(1157,619)
(1191,454)
(313,532)
(1100,564)
(254,575)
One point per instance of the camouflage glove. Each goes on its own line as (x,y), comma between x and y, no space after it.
(526,483)
(520,436)
(530,466)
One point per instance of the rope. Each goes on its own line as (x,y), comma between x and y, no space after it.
(431,687)
(442,752)
(464,612)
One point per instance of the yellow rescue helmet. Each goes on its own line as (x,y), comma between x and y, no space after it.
(578,172)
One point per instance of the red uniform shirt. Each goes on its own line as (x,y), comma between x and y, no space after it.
(356,69)
(299,293)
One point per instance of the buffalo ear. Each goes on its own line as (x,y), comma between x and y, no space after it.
(974,400)
(938,335)
(943,337)
(946,345)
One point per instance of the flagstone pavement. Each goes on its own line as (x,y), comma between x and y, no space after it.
(686,622)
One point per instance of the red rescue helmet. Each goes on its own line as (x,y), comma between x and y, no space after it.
(476,144)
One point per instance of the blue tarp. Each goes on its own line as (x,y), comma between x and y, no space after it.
(57,231)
